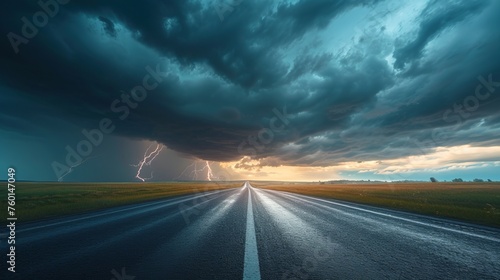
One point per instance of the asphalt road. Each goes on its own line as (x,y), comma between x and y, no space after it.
(249,233)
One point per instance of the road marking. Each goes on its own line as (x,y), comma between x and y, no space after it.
(308,199)
(251,270)
(124,208)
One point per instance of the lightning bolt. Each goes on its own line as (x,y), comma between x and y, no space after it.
(210,175)
(72,168)
(183,171)
(147,160)
(197,171)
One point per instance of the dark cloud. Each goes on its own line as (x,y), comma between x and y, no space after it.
(109,26)
(434,19)
(373,99)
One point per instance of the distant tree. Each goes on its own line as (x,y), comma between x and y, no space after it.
(478,180)
(433,180)
(457,180)
(489,180)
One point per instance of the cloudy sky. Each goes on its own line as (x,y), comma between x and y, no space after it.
(236,89)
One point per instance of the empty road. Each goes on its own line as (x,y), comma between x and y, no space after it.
(250,233)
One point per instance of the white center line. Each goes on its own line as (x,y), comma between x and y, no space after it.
(251,270)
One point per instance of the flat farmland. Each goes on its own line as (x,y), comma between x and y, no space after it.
(471,202)
(36,201)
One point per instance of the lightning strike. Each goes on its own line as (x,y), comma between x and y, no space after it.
(210,175)
(197,171)
(183,171)
(72,168)
(147,160)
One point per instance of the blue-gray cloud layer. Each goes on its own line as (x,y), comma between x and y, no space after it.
(382,95)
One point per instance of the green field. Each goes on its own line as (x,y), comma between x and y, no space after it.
(472,202)
(45,200)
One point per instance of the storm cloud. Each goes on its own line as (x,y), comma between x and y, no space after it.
(354,81)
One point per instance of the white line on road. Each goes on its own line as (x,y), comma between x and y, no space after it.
(251,270)
(107,212)
(309,198)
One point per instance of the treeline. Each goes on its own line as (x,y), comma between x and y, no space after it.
(475,180)
(458,180)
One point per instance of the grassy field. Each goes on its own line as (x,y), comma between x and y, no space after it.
(473,202)
(44,200)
